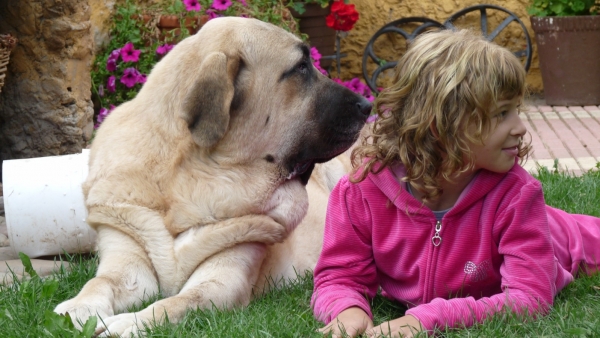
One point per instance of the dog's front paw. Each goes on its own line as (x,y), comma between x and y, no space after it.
(124,325)
(80,311)
(266,230)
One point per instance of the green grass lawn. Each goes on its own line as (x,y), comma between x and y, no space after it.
(26,307)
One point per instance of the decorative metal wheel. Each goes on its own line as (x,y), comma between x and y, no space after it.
(389,43)
(497,24)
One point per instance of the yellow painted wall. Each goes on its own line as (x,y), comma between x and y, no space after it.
(375,13)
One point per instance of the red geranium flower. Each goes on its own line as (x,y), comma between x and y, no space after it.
(342,16)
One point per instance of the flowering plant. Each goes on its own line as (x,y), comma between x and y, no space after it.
(342,17)
(118,73)
(354,84)
(136,45)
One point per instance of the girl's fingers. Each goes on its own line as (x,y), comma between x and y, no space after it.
(325,330)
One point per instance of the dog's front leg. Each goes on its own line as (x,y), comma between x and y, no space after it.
(199,243)
(224,280)
(125,278)
(174,260)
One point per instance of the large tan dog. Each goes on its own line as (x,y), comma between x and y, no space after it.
(192,180)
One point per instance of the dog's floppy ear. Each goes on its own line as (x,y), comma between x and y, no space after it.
(206,107)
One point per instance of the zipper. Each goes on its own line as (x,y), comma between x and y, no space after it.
(437,239)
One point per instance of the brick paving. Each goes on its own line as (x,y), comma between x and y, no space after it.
(570,135)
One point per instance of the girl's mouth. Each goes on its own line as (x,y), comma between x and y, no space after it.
(513,151)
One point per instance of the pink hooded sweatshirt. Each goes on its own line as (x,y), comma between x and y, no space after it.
(500,245)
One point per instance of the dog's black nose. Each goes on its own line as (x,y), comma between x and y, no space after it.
(364,106)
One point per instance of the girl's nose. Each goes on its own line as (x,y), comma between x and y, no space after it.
(519,128)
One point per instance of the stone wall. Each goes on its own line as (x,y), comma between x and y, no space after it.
(45,104)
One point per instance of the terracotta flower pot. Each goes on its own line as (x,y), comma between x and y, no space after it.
(145,18)
(172,24)
(312,23)
(569,53)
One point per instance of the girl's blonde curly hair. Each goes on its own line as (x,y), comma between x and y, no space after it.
(447,80)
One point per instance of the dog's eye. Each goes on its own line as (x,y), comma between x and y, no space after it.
(303,67)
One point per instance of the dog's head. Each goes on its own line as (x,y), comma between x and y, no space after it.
(249,92)
(237,116)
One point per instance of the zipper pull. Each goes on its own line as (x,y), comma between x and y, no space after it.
(436,239)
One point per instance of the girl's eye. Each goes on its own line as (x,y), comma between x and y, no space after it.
(502,114)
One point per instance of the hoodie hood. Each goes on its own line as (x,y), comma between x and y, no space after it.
(388,181)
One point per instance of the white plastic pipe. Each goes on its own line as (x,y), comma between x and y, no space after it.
(43,205)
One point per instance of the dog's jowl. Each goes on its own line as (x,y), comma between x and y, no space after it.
(193,181)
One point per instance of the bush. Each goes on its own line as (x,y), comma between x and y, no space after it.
(562,7)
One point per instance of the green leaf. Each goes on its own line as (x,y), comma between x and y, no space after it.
(27,264)
(49,287)
(298,7)
(57,324)
(89,327)
(578,6)
(557,7)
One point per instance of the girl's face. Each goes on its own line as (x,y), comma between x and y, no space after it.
(500,148)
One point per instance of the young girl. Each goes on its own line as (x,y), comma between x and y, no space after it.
(439,213)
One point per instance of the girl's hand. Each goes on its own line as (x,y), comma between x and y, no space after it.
(406,326)
(349,323)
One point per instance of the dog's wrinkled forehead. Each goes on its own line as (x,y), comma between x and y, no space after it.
(252,38)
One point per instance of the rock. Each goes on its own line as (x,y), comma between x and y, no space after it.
(49,73)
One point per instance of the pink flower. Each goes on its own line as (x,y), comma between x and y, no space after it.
(130,54)
(114,55)
(141,78)
(103,114)
(314,54)
(221,5)
(164,49)
(130,77)
(320,69)
(111,62)
(111,65)
(192,5)
(355,85)
(212,14)
(111,85)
